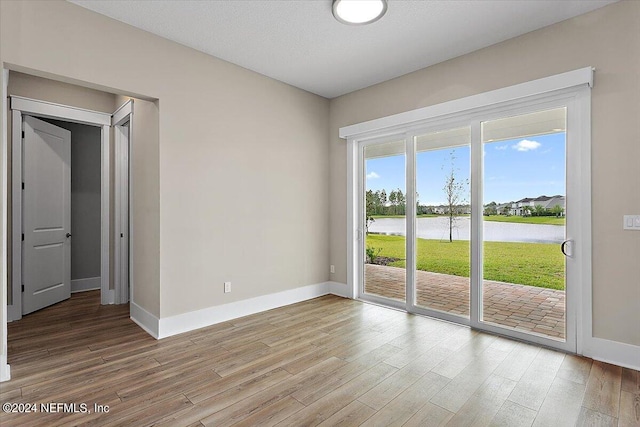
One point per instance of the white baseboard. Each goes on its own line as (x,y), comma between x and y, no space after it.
(340,289)
(614,352)
(144,319)
(88,284)
(14,312)
(221,313)
(5,369)
(108,296)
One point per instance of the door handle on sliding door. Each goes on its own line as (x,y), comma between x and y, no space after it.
(567,248)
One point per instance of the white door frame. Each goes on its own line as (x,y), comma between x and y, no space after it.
(24,106)
(576,84)
(122,124)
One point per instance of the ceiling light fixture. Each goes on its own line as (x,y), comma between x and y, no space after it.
(359,12)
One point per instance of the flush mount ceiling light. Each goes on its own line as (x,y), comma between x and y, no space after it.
(359,12)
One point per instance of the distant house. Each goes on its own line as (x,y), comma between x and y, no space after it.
(443,209)
(523,207)
(503,208)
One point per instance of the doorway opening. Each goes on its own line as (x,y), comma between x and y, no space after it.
(42,206)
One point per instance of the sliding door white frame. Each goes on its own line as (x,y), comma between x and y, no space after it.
(570,89)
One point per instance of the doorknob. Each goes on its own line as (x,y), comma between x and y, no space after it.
(68,235)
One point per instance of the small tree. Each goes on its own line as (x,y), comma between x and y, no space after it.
(393,200)
(383,201)
(491,209)
(539,210)
(371,203)
(401,202)
(372,253)
(454,191)
(557,210)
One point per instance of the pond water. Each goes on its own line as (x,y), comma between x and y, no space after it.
(438,228)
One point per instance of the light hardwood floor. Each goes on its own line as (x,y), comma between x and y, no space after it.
(328,361)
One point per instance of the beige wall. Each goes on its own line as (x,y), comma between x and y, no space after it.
(232,186)
(34,87)
(608,39)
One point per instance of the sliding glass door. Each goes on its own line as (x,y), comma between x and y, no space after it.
(384,220)
(525,198)
(443,222)
(473,222)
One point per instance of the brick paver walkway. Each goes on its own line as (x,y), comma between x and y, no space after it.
(528,308)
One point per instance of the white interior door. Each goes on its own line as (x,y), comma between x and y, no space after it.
(46,249)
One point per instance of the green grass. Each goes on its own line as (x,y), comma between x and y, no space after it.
(531,264)
(550,220)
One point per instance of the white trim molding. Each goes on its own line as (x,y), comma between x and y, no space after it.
(144,319)
(618,353)
(87,284)
(186,322)
(340,289)
(122,279)
(56,111)
(105,226)
(5,369)
(173,325)
(14,310)
(122,114)
(481,100)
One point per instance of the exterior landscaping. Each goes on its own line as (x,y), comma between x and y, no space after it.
(531,264)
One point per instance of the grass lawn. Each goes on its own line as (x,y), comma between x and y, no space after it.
(532,264)
(550,220)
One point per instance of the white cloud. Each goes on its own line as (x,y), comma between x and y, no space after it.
(502,147)
(526,145)
(372,175)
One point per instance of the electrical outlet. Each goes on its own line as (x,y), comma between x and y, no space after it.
(227,287)
(332,269)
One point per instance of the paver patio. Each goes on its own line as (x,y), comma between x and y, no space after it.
(527,308)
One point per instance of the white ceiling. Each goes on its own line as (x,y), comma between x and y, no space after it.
(300,43)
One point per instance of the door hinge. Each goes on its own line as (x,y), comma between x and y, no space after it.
(22,288)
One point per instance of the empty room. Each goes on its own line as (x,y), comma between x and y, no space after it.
(320,212)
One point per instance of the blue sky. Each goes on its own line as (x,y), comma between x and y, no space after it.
(513,169)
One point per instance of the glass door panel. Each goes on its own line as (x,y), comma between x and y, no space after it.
(443,221)
(384,220)
(524,214)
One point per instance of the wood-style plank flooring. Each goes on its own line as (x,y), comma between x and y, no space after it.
(328,361)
